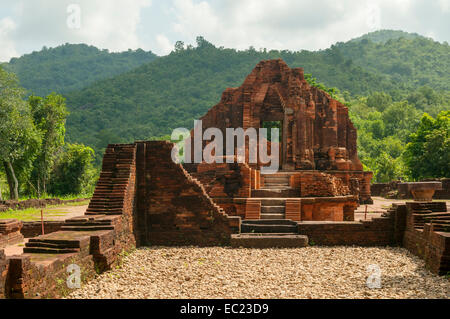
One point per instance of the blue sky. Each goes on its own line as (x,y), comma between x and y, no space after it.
(117,25)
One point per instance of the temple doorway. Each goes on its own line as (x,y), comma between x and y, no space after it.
(279,125)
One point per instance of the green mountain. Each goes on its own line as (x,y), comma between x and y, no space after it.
(72,67)
(408,62)
(382,36)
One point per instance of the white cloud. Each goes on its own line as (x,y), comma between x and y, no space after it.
(445,5)
(294,24)
(7,49)
(106,24)
(164,45)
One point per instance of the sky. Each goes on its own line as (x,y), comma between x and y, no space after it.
(119,25)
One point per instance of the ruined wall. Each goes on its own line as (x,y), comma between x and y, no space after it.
(222,180)
(317,184)
(3,273)
(34,228)
(423,240)
(94,242)
(10,232)
(317,131)
(394,189)
(173,208)
(376,232)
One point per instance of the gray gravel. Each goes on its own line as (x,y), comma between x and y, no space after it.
(310,272)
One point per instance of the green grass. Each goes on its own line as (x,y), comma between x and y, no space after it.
(30,214)
(62,197)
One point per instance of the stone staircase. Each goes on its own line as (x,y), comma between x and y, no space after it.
(440,221)
(276,186)
(62,242)
(272,208)
(108,197)
(433,213)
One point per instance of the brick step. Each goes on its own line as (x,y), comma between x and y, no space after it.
(439,221)
(96,211)
(275,180)
(101,190)
(272,215)
(269,240)
(87,223)
(109,199)
(66,243)
(270,222)
(273,202)
(260,228)
(276,186)
(106,202)
(431,214)
(106,206)
(87,228)
(43,250)
(272,209)
(269,226)
(48,245)
(276,193)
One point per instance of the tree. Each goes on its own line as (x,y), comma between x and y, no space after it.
(400,119)
(49,117)
(379,100)
(428,153)
(179,46)
(73,172)
(17,131)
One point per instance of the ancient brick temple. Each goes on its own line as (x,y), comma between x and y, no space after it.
(320,175)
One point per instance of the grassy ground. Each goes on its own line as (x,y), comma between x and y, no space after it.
(35,213)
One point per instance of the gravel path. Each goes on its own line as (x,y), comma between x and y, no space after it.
(311,272)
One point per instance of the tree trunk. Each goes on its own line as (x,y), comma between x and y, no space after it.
(13,183)
(9,180)
(1,198)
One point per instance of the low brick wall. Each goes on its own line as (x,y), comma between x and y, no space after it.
(444,193)
(401,191)
(430,245)
(33,277)
(36,203)
(33,229)
(377,232)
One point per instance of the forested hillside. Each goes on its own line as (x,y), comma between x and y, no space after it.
(382,36)
(407,63)
(72,66)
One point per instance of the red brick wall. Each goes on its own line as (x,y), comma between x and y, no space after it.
(10,232)
(432,246)
(33,229)
(174,206)
(378,232)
